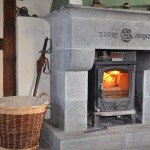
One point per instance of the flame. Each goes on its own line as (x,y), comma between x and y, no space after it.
(117,79)
(110,78)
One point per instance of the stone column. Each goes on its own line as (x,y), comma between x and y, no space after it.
(69,93)
(69,100)
(69,75)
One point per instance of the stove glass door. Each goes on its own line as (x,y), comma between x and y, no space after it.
(116,84)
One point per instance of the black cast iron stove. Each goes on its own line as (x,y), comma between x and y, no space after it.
(111,89)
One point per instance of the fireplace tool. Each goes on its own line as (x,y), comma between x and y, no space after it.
(42,64)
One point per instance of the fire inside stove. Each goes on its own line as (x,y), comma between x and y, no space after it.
(116,84)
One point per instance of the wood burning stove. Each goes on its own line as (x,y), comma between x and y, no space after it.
(111,86)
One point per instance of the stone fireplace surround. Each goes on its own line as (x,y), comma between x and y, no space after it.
(76,32)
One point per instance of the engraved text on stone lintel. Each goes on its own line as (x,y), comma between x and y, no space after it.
(125,35)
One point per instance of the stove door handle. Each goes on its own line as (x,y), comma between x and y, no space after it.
(101,86)
(101,95)
(101,92)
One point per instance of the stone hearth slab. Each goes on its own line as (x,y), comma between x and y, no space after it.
(129,137)
(140,148)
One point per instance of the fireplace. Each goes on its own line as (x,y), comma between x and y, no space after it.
(111,89)
(76,33)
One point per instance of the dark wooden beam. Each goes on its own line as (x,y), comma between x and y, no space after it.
(1,44)
(9,47)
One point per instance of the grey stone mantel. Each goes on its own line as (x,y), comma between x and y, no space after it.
(82,28)
(76,31)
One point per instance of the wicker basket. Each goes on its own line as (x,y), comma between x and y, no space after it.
(21,128)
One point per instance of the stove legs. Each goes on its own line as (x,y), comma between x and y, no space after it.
(95,120)
(133,118)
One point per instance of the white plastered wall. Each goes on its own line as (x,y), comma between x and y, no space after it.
(1,52)
(41,8)
(38,7)
(31,33)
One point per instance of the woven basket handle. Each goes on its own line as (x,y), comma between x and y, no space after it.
(43,94)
